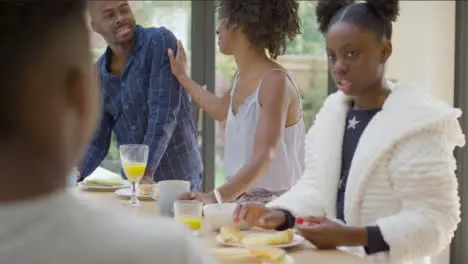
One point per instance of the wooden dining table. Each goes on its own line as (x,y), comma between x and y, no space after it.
(303,254)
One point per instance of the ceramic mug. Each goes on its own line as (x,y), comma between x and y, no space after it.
(169,192)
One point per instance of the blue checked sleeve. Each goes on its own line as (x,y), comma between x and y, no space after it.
(98,148)
(164,99)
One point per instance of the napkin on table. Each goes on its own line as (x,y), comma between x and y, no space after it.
(102,176)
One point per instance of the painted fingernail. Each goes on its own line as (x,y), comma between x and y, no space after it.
(299,220)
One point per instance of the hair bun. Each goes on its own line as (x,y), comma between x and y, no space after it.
(326,9)
(388,9)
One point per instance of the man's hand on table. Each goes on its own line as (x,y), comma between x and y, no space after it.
(256,214)
(327,234)
(205,198)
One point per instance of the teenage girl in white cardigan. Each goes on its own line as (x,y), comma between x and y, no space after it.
(379,156)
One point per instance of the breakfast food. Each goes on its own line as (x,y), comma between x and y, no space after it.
(277,238)
(145,189)
(234,235)
(235,255)
(250,255)
(231,234)
(269,255)
(104,181)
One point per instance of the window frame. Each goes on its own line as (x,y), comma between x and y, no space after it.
(458,252)
(203,71)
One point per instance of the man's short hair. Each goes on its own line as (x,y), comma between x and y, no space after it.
(25,29)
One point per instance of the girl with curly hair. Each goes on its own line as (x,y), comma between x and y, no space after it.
(379,158)
(264,128)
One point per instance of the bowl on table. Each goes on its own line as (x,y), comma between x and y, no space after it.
(219,215)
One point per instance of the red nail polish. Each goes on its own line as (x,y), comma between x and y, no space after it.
(299,220)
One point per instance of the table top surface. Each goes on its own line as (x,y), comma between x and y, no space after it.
(302,254)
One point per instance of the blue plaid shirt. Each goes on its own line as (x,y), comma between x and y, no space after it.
(146,105)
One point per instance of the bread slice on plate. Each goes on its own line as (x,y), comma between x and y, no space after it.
(269,255)
(145,189)
(277,238)
(231,234)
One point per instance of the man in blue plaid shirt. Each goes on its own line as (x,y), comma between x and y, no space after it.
(143,102)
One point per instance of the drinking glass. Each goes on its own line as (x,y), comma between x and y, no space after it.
(134,158)
(72,178)
(189,212)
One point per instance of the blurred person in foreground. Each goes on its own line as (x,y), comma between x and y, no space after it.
(264,135)
(143,101)
(379,156)
(49,109)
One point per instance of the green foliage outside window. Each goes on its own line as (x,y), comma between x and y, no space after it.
(310,42)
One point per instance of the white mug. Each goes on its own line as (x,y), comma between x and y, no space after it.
(169,192)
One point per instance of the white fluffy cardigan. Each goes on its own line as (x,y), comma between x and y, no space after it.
(402,177)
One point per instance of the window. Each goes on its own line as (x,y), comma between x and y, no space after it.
(305,59)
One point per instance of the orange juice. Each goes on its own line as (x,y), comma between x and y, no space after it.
(194,223)
(134,171)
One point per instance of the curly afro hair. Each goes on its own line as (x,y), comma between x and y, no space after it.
(375,15)
(266,23)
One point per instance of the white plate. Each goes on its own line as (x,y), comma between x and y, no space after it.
(297,240)
(127,194)
(103,188)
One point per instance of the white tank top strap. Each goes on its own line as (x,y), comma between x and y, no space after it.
(236,77)
(270,71)
(234,83)
(233,92)
(299,95)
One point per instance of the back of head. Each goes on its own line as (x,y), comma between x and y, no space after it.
(268,24)
(45,95)
(23,27)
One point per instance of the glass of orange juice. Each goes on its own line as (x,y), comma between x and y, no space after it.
(134,158)
(189,213)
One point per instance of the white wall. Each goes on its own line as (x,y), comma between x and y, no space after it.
(424,46)
(424,52)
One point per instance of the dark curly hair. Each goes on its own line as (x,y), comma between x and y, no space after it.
(28,27)
(266,23)
(374,15)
